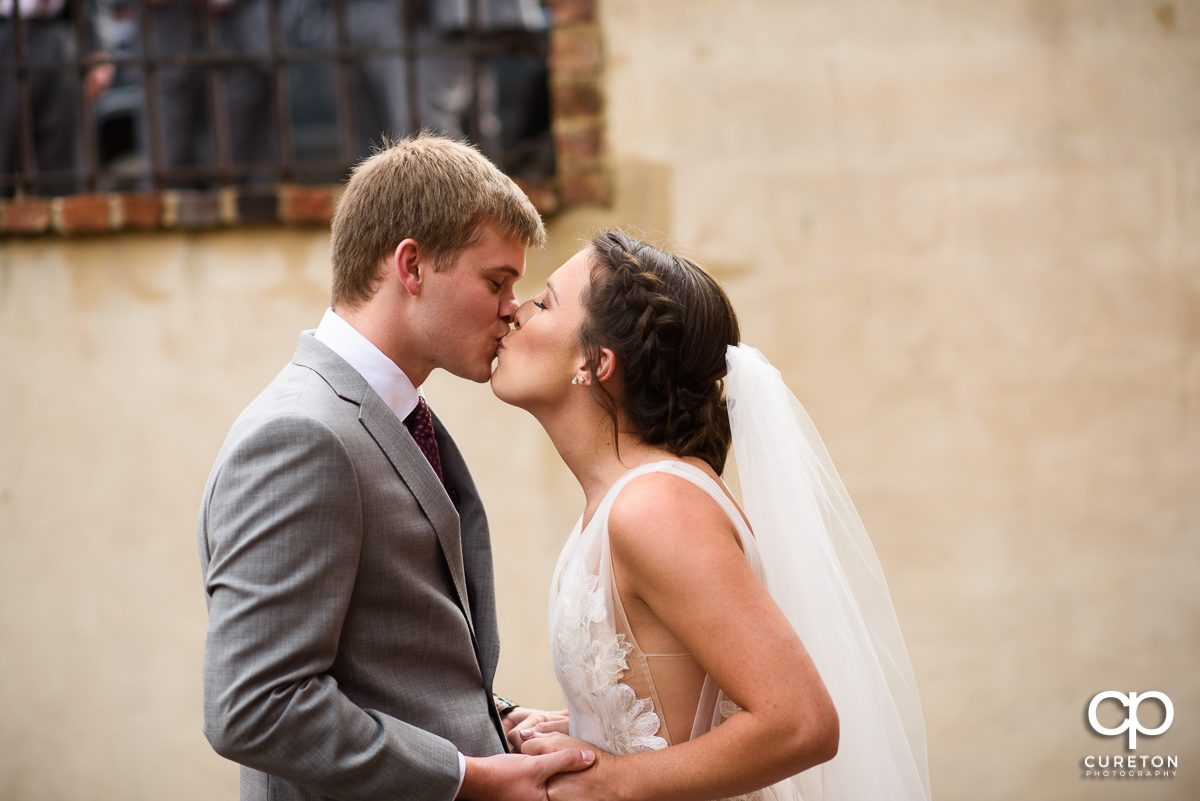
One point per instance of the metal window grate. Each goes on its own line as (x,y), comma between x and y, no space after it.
(317,83)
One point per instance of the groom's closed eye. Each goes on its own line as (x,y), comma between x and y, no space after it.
(499,277)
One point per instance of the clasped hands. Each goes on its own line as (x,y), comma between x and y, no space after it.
(534,732)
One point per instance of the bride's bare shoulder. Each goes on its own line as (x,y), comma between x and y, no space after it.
(661,515)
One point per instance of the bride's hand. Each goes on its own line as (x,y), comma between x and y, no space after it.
(535,720)
(535,743)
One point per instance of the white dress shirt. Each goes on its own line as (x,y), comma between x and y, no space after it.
(388,381)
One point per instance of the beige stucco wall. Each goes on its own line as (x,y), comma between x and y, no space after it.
(969,236)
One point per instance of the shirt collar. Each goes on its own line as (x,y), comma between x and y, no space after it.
(388,380)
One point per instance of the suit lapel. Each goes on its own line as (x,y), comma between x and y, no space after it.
(406,456)
(477,561)
(401,450)
(477,549)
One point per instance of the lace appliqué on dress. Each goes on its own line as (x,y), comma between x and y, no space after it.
(727,709)
(593,657)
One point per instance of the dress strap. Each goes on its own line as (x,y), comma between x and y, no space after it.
(645,671)
(686,471)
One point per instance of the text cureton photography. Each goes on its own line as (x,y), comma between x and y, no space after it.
(1130,766)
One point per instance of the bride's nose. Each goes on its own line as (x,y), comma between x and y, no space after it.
(522,314)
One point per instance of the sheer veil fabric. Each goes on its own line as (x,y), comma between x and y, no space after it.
(821,569)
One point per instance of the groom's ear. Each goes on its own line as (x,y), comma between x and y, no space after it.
(407,264)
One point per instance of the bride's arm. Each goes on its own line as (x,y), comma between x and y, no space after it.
(674,550)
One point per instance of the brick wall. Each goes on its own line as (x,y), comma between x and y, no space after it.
(100,213)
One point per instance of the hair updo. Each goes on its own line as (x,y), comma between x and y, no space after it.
(668,322)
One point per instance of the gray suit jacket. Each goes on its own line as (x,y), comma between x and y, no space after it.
(352,635)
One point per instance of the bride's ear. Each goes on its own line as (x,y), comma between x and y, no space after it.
(606,368)
(606,365)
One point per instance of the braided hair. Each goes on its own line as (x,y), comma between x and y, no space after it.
(668,322)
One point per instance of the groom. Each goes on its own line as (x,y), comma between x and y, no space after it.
(352,635)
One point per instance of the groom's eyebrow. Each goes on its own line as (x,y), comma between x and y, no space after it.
(505,268)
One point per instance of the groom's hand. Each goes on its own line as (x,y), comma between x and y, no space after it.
(514,777)
(597,783)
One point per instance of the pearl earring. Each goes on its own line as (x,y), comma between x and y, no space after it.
(575,380)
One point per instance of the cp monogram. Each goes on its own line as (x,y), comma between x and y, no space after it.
(1131,722)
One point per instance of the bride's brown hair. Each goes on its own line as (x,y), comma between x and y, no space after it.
(668,322)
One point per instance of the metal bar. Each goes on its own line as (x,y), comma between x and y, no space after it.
(87,123)
(28,169)
(243,170)
(516,46)
(218,116)
(410,17)
(279,89)
(49,175)
(345,98)
(153,94)
(473,130)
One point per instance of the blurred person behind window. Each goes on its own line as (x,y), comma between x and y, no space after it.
(53,94)
(189,139)
(445,83)
(511,127)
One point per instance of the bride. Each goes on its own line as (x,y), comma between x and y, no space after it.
(706,652)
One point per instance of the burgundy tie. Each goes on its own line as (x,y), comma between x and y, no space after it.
(420,424)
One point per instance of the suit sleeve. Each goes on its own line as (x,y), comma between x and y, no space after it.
(284,534)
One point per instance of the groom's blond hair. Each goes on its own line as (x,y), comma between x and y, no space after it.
(428,188)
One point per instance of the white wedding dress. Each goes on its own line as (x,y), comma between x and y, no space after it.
(810,550)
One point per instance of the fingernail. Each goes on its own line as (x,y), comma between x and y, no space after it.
(525,735)
(589,756)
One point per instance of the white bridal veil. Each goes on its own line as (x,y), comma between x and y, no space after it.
(823,572)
